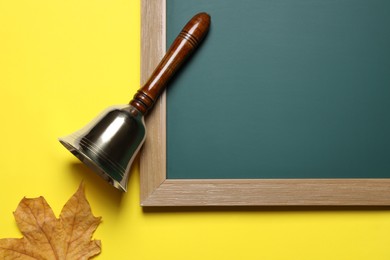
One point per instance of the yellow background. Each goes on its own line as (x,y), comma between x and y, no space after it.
(61,63)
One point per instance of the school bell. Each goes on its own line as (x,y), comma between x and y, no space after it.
(109,144)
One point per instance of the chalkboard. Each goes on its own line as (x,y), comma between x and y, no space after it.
(281,93)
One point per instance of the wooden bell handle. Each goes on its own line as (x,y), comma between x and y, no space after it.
(185,43)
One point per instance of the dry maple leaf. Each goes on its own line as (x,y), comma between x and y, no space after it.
(46,237)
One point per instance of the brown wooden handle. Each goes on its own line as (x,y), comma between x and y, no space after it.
(185,43)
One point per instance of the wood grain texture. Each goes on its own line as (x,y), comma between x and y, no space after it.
(157,190)
(153,153)
(272,192)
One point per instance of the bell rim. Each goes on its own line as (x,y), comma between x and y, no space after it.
(84,158)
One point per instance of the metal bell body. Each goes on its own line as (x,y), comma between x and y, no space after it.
(109,144)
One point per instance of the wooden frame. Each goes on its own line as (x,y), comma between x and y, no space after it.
(157,190)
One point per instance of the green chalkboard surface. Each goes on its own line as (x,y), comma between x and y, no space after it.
(282,89)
